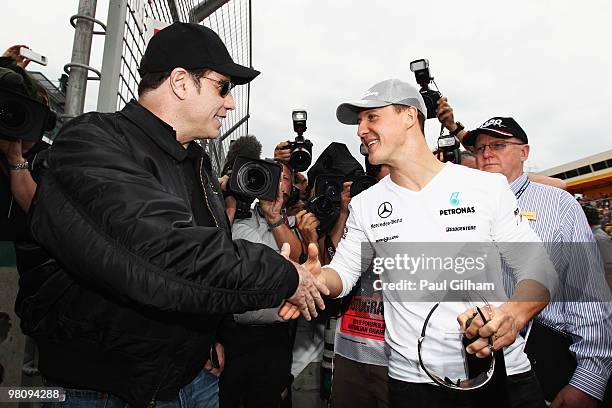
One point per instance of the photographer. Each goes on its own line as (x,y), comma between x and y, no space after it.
(282,153)
(301,183)
(14,165)
(17,187)
(360,361)
(258,346)
(501,146)
(247,146)
(338,230)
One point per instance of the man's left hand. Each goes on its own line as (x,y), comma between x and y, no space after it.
(572,397)
(502,325)
(221,357)
(445,115)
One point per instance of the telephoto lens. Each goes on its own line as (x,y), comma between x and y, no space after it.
(22,117)
(255,178)
(321,206)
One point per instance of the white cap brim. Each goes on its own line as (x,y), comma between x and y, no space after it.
(348,112)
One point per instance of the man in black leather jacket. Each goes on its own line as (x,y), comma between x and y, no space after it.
(129,207)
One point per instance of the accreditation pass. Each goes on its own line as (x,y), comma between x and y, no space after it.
(32,394)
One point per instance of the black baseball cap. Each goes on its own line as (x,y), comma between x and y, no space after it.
(192,46)
(502,128)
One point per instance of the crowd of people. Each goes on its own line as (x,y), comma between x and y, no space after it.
(603,205)
(146,281)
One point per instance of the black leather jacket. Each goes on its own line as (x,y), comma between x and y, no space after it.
(133,303)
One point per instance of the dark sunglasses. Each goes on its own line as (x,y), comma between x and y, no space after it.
(224,86)
(461,385)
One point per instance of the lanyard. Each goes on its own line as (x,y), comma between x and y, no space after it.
(521,190)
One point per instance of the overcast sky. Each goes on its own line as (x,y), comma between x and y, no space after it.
(545,63)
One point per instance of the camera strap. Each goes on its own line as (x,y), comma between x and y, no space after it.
(329,247)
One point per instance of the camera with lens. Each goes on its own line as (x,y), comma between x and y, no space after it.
(448,145)
(22,117)
(301,149)
(423,77)
(330,186)
(372,170)
(254,178)
(361,183)
(325,210)
(325,203)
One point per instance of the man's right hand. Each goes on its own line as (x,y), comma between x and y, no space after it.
(311,285)
(282,152)
(445,114)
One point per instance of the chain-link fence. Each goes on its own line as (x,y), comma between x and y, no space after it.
(130,23)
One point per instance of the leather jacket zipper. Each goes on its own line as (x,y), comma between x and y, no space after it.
(205,194)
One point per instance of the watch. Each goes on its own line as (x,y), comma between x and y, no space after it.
(459,128)
(24,165)
(278,223)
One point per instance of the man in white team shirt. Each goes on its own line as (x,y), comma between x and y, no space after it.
(417,203)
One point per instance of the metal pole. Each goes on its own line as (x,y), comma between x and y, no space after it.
(233,128)
(111,59)
(81,48)
(173,10)
(205,9)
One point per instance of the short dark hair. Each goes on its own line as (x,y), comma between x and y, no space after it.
(592,215)
(152,81)
(420,116)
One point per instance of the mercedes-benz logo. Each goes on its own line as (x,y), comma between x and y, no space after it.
(385,209)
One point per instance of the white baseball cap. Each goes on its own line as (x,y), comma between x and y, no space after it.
(388,92)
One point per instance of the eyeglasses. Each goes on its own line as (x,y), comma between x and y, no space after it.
(495,147)
(225,86)
(481,379)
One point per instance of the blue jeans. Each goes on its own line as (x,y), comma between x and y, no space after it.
(202,392)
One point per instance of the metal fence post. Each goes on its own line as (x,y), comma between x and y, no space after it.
(111,59)
(81,48)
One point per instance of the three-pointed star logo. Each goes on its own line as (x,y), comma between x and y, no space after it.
(385,209)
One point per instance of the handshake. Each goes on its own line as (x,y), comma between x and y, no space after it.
(310,287)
